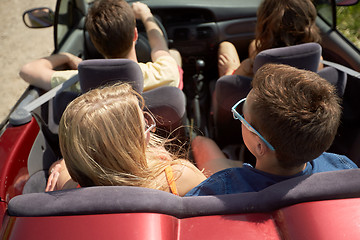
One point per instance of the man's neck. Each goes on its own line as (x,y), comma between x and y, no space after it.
(132,54)
(271,165)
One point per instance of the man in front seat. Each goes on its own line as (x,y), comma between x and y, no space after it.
(112,28)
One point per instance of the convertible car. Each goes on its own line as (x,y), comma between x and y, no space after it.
(320,206)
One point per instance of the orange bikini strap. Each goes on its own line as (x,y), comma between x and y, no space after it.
(171,181)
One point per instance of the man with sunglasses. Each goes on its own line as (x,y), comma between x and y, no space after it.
(289,119)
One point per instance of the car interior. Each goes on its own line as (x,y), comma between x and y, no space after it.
(195,29)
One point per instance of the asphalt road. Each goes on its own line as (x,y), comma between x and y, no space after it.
(19,45)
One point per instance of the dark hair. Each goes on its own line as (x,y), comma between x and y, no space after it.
(297,111)
(111,25)
(282,23)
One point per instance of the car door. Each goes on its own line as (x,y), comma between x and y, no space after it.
(340,38)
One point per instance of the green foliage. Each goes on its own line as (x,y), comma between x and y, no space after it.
(348,22)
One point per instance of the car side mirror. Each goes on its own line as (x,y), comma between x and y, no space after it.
(39,17)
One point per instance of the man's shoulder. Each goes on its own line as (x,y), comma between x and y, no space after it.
(224,175)
(231,180)
(331,162)
(165,60)
(163,72)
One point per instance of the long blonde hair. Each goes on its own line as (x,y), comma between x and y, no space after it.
(102,140)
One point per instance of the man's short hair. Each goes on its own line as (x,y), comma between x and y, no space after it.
(297,111)
(111,25)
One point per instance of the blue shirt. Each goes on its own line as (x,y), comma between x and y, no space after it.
(249,179)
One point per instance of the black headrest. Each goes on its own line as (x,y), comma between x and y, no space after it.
(99,72)
(303,56)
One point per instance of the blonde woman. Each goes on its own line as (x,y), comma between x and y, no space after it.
(106,140)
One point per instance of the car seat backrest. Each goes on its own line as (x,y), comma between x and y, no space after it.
(230,89)
(117,199)
(303,56)
(335,77)
(165,102)
(99,72)
(168,104)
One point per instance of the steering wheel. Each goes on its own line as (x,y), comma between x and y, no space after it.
(142,47)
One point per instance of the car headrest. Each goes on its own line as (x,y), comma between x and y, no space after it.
(99,72)
(168,104)
(303,56)
(117,199)
(335,77)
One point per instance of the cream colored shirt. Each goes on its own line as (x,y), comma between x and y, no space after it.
(163,72)
(59,77)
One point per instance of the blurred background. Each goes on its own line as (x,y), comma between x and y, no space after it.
(19,45)
(348,22)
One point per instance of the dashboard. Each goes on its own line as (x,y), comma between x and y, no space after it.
(195,28)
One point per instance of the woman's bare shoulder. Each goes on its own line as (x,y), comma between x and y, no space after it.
(187,176)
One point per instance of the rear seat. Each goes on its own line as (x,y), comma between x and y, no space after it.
(122,199)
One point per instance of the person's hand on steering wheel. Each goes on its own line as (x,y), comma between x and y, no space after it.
(154,33)
(141,11)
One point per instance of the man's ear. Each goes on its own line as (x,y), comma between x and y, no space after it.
(135,35)
(261,147)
